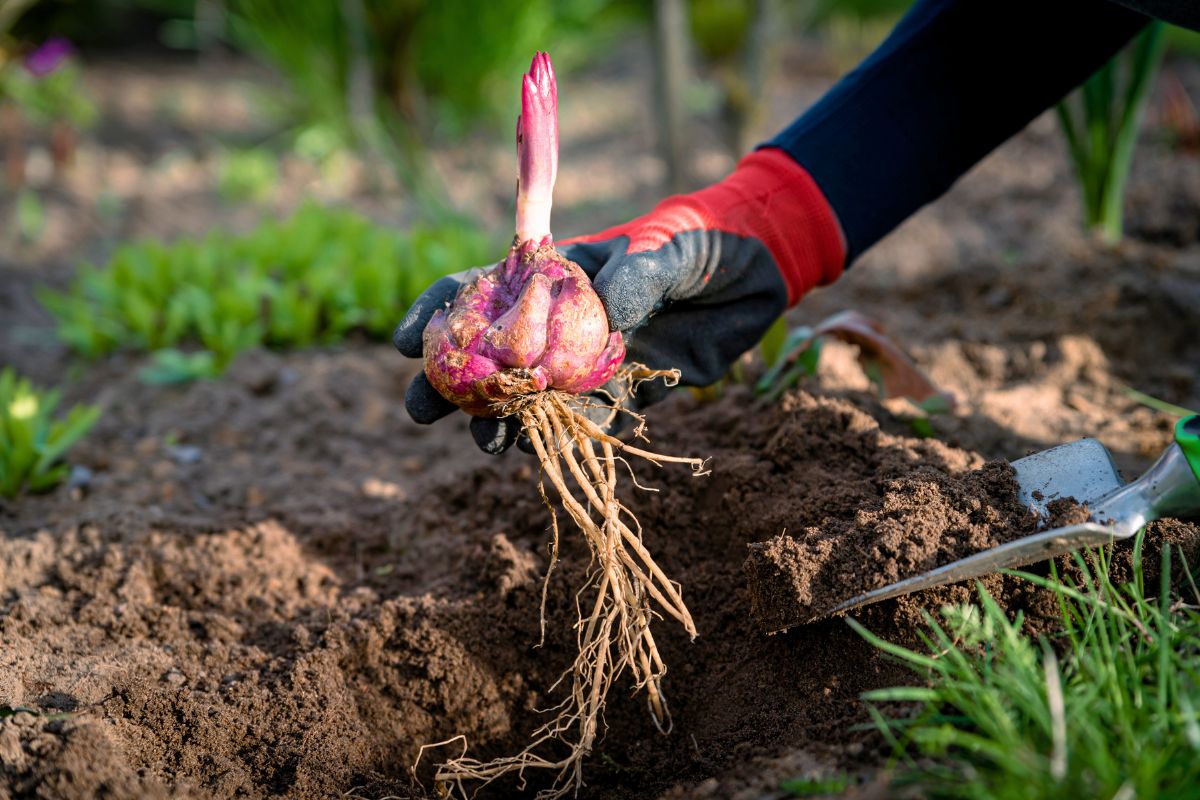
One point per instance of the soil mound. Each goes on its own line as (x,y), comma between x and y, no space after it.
(916,523)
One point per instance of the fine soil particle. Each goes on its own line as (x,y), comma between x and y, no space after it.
(912,524)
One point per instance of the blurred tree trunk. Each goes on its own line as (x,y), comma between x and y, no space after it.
(671,82)
(745,102)
(12,135)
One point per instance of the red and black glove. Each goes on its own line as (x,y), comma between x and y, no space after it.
(692,285)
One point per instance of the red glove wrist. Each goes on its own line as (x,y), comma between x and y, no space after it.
(769,197)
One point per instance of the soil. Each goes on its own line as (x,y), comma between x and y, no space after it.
(903,526)
(302,622)
(277,585)
(1065,511)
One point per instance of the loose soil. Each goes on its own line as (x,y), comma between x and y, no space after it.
(277,585)
(201,623)
(912,524)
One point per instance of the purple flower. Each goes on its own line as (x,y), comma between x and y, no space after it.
(49,57)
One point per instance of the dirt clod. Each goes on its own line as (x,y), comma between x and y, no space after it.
(1063,512)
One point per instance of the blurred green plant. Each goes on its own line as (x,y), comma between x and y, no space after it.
(794,357)
(311,279)
(388,77)
(1109,710)
(921,420)
(43,89)
(57,96)
(169,366)
(735,40)
(796,353)
(32,442)
(1100,122)
(1151,401)
(720,28)
(249,174)
(891,371)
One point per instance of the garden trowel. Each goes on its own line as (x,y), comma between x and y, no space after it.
(1085,471)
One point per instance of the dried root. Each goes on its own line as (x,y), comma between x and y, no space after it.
(615,608)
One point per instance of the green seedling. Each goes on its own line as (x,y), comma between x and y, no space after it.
(58,96)
(32,441)
(169,366)
(931,406)
(798,356)
(309,280)
(1100,123)
(771,344)
(1107,708)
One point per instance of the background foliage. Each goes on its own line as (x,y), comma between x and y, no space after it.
(311,279)
(32,440)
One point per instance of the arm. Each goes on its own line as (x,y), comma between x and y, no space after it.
(697,281)
(955,79)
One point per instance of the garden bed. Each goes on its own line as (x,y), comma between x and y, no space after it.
(275,584)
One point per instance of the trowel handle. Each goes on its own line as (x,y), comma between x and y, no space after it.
(1187,436)
(1170,488)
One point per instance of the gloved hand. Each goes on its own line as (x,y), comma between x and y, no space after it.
(692,285)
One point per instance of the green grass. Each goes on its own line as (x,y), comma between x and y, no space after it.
(1100,122)
(1107,709)
(32,441)
(815,787)
(58,97)
(311,279)
(1158,405)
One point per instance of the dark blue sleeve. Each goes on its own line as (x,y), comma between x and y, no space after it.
(953,80)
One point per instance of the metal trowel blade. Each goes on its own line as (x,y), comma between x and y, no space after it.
(1083,470)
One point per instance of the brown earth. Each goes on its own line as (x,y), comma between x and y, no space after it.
(204,622)
(277,585)
(902,526)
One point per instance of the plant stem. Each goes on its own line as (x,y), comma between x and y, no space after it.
(1101,129)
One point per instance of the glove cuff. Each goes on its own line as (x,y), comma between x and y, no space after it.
(768,197)
(771,197)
